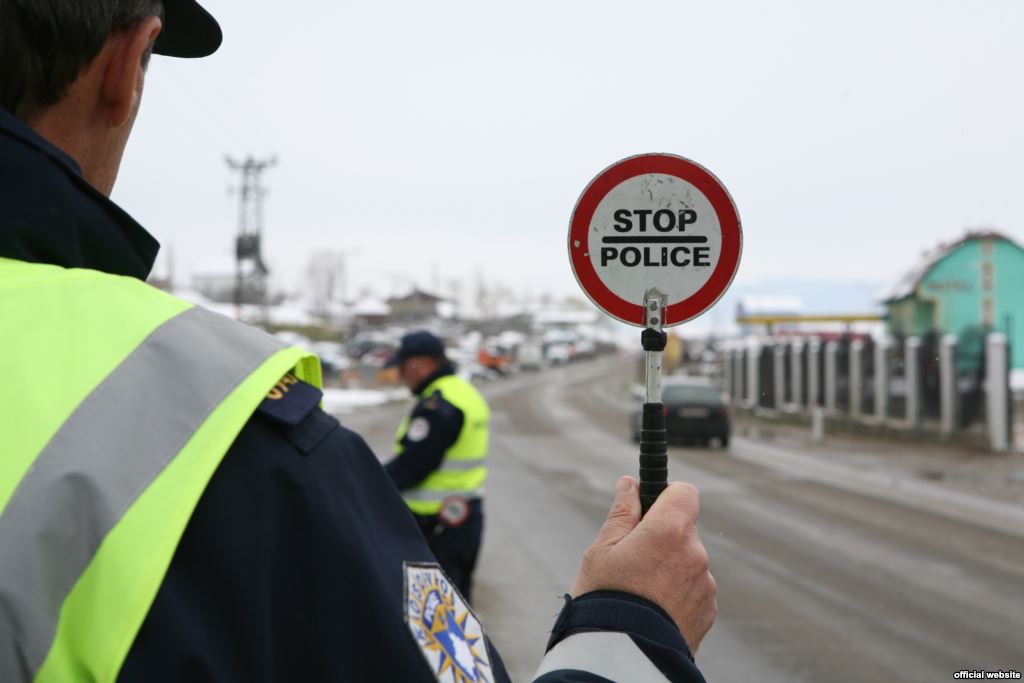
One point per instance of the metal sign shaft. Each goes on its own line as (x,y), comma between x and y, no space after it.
(653,441)
(654,303)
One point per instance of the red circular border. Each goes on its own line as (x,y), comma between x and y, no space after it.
(668,164)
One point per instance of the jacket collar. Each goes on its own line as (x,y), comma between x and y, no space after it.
(49,213)
(446,369)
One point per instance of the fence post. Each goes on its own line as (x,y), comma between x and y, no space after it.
(813,373)
(856,378)
(818,424)
(726,378)
(797,377)
(738,376)
(831,351)
(947,384)
(882,347)
(912,379)
(780,376)
(997,391)
(753,374)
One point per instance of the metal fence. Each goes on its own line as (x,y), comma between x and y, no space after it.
(936,382)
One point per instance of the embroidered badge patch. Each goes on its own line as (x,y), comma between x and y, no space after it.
(418,429)
(442,624)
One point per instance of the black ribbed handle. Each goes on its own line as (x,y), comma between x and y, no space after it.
(653,455)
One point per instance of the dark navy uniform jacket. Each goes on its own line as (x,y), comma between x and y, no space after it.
(291,568)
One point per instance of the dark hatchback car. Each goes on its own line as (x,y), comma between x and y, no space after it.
(694,412)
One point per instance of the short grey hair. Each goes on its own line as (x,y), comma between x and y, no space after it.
(45,44)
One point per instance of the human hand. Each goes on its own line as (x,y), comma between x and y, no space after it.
(660,557)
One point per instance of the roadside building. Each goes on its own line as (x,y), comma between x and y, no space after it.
(966,287)
(415,307)
(370,312)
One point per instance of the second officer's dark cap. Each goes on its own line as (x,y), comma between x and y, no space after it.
(188,31)
(419,343)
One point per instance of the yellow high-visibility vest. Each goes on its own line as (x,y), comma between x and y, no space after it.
(463,470)
(117,404)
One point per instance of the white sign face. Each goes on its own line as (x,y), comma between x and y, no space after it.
(655,222)
(654,230)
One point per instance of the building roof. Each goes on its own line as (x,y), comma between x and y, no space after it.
(906,285)
(416,294)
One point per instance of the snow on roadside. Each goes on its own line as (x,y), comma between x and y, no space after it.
(340,401)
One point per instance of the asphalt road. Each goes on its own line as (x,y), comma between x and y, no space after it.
(822,575)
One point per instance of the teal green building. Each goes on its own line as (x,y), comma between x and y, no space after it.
(968,288)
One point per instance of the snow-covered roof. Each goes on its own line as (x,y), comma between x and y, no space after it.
(289,313)
(416,293)
(371,306)
(907,283)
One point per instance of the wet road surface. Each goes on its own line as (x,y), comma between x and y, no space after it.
(822,575)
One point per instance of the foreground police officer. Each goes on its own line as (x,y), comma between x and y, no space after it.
(441,455)
(173,504)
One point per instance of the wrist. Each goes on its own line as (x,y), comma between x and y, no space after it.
(613,610)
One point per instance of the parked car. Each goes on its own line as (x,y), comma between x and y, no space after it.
(694,411)
(530,355)
(557,354)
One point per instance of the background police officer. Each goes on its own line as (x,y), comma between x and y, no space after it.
(441,449)
(160,520)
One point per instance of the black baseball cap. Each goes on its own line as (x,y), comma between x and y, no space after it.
(419,343)
(189,31)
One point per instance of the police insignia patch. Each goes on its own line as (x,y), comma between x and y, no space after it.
(448,633)
(418,429)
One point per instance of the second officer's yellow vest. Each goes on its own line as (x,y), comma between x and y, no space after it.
(464,468)
(117,404)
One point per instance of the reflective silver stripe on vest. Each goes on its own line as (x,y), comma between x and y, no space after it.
(448,465)
(101,460)
(612,656)
(438,496)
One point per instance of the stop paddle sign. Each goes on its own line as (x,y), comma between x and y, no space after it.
(655,221)
(654,241)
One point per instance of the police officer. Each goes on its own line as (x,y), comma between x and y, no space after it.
(173,504)
(441,455)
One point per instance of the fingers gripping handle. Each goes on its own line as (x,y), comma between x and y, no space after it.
(653,454)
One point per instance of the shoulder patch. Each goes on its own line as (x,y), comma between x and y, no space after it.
(433,402)
(290,400)
(419,428)
(444,627)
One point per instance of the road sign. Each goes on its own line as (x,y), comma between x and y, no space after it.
(655,221)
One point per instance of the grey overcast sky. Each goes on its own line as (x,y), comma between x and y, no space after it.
(443,140)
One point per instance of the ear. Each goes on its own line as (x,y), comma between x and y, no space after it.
(124,75)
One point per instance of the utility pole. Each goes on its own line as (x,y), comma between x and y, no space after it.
(250,270)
